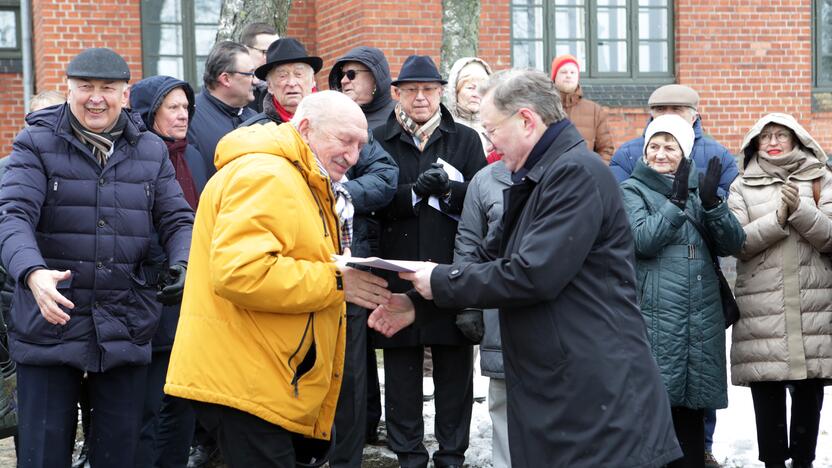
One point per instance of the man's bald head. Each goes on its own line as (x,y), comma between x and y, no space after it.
(334,127)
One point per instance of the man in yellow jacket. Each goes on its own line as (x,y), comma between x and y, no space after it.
(260,343)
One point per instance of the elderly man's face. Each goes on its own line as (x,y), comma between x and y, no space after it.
(419,100)
(337,146)
(506,134)
(289,83)
(685,112)
(361,86)
(171,118)
(96,103)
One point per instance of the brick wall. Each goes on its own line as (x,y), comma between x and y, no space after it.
(11,101)
(62,28)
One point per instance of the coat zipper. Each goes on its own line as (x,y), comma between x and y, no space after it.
(295,376)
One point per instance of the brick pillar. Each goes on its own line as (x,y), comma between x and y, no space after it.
(11,101)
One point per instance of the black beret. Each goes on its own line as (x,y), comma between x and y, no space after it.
(98,63)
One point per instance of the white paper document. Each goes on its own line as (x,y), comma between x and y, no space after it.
(375,262)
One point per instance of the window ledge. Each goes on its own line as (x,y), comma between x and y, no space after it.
(11,65)
(822,100)
(620,94)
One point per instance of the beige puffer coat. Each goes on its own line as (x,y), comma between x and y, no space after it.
(784,275)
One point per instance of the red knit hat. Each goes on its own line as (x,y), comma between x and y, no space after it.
(562,60)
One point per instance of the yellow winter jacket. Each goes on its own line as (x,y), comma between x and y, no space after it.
(262,324)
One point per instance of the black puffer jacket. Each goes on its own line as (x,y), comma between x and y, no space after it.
(378,110)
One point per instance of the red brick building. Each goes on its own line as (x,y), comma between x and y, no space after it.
(745,57)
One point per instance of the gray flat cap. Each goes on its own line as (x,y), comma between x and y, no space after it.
(98,63)
(674,95)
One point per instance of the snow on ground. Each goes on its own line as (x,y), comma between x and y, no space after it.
(735,442)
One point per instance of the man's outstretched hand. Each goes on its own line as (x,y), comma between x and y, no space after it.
(421,279)
(44,286)
(388,319)
(362,288)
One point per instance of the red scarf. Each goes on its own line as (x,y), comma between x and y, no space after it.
(493,157)
(281,111)
(176,151)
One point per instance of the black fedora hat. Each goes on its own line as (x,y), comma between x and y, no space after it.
(419,68)
(287,50)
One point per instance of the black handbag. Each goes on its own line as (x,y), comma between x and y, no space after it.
(730,309)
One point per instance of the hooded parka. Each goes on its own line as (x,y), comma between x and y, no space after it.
(64,211)
(378,110)
(450,96)
(583,389)
(262,322)
(678,287)
(784,274)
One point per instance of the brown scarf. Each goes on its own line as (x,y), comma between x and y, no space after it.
(784,165)
(421,132)
(176,152)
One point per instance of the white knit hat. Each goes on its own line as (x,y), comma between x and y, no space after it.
(681,130)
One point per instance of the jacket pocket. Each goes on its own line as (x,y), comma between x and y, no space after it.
(309,359)
(143,315)
(28,323)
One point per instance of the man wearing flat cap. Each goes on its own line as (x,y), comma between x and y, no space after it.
(86,191)
(437,158)
(289,73)
(682,101)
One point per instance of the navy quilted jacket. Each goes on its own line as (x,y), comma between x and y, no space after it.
(63,211)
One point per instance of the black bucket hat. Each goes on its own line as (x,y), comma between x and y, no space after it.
(98,63)
(287,50)
(419,68)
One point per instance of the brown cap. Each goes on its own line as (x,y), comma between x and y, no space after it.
(674,95)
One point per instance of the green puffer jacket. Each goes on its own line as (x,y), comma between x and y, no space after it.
(678,287)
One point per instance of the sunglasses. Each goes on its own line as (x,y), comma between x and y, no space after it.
(351,74)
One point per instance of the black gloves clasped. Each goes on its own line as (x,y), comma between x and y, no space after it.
(709,183)
(171,285)
(433,181)
(679,192)
(471,324)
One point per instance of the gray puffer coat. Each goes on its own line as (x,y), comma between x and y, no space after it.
(784,274)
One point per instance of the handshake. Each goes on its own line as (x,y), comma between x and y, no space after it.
(433,182)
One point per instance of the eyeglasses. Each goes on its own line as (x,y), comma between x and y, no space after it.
(351,74)
(248,74)
(489,134)
(782,137)
(426,91)
(262,51)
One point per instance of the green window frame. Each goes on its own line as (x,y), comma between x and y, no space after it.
(10,30)
(177,36)
(822,45)
(615,41)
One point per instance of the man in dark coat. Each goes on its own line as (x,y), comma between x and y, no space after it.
(364,75)
(84,192)
(166,106)
(370,88)
(221,106)
(583,388)
(289,73)
(371,184)
(436,159)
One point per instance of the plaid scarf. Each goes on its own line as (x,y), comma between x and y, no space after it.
(343,207)
(421,132)
(102,143)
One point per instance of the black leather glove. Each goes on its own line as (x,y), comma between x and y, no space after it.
(433,181)
(679,192)
(171,285)
(470,323)
(708,184)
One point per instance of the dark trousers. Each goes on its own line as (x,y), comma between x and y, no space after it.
(48,414)
(373,392)
(452,377)
(689,425)
(245,440)
(351,412)
(710,427)
(770,412)
(167,422)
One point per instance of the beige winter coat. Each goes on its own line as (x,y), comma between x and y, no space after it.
(784,275)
